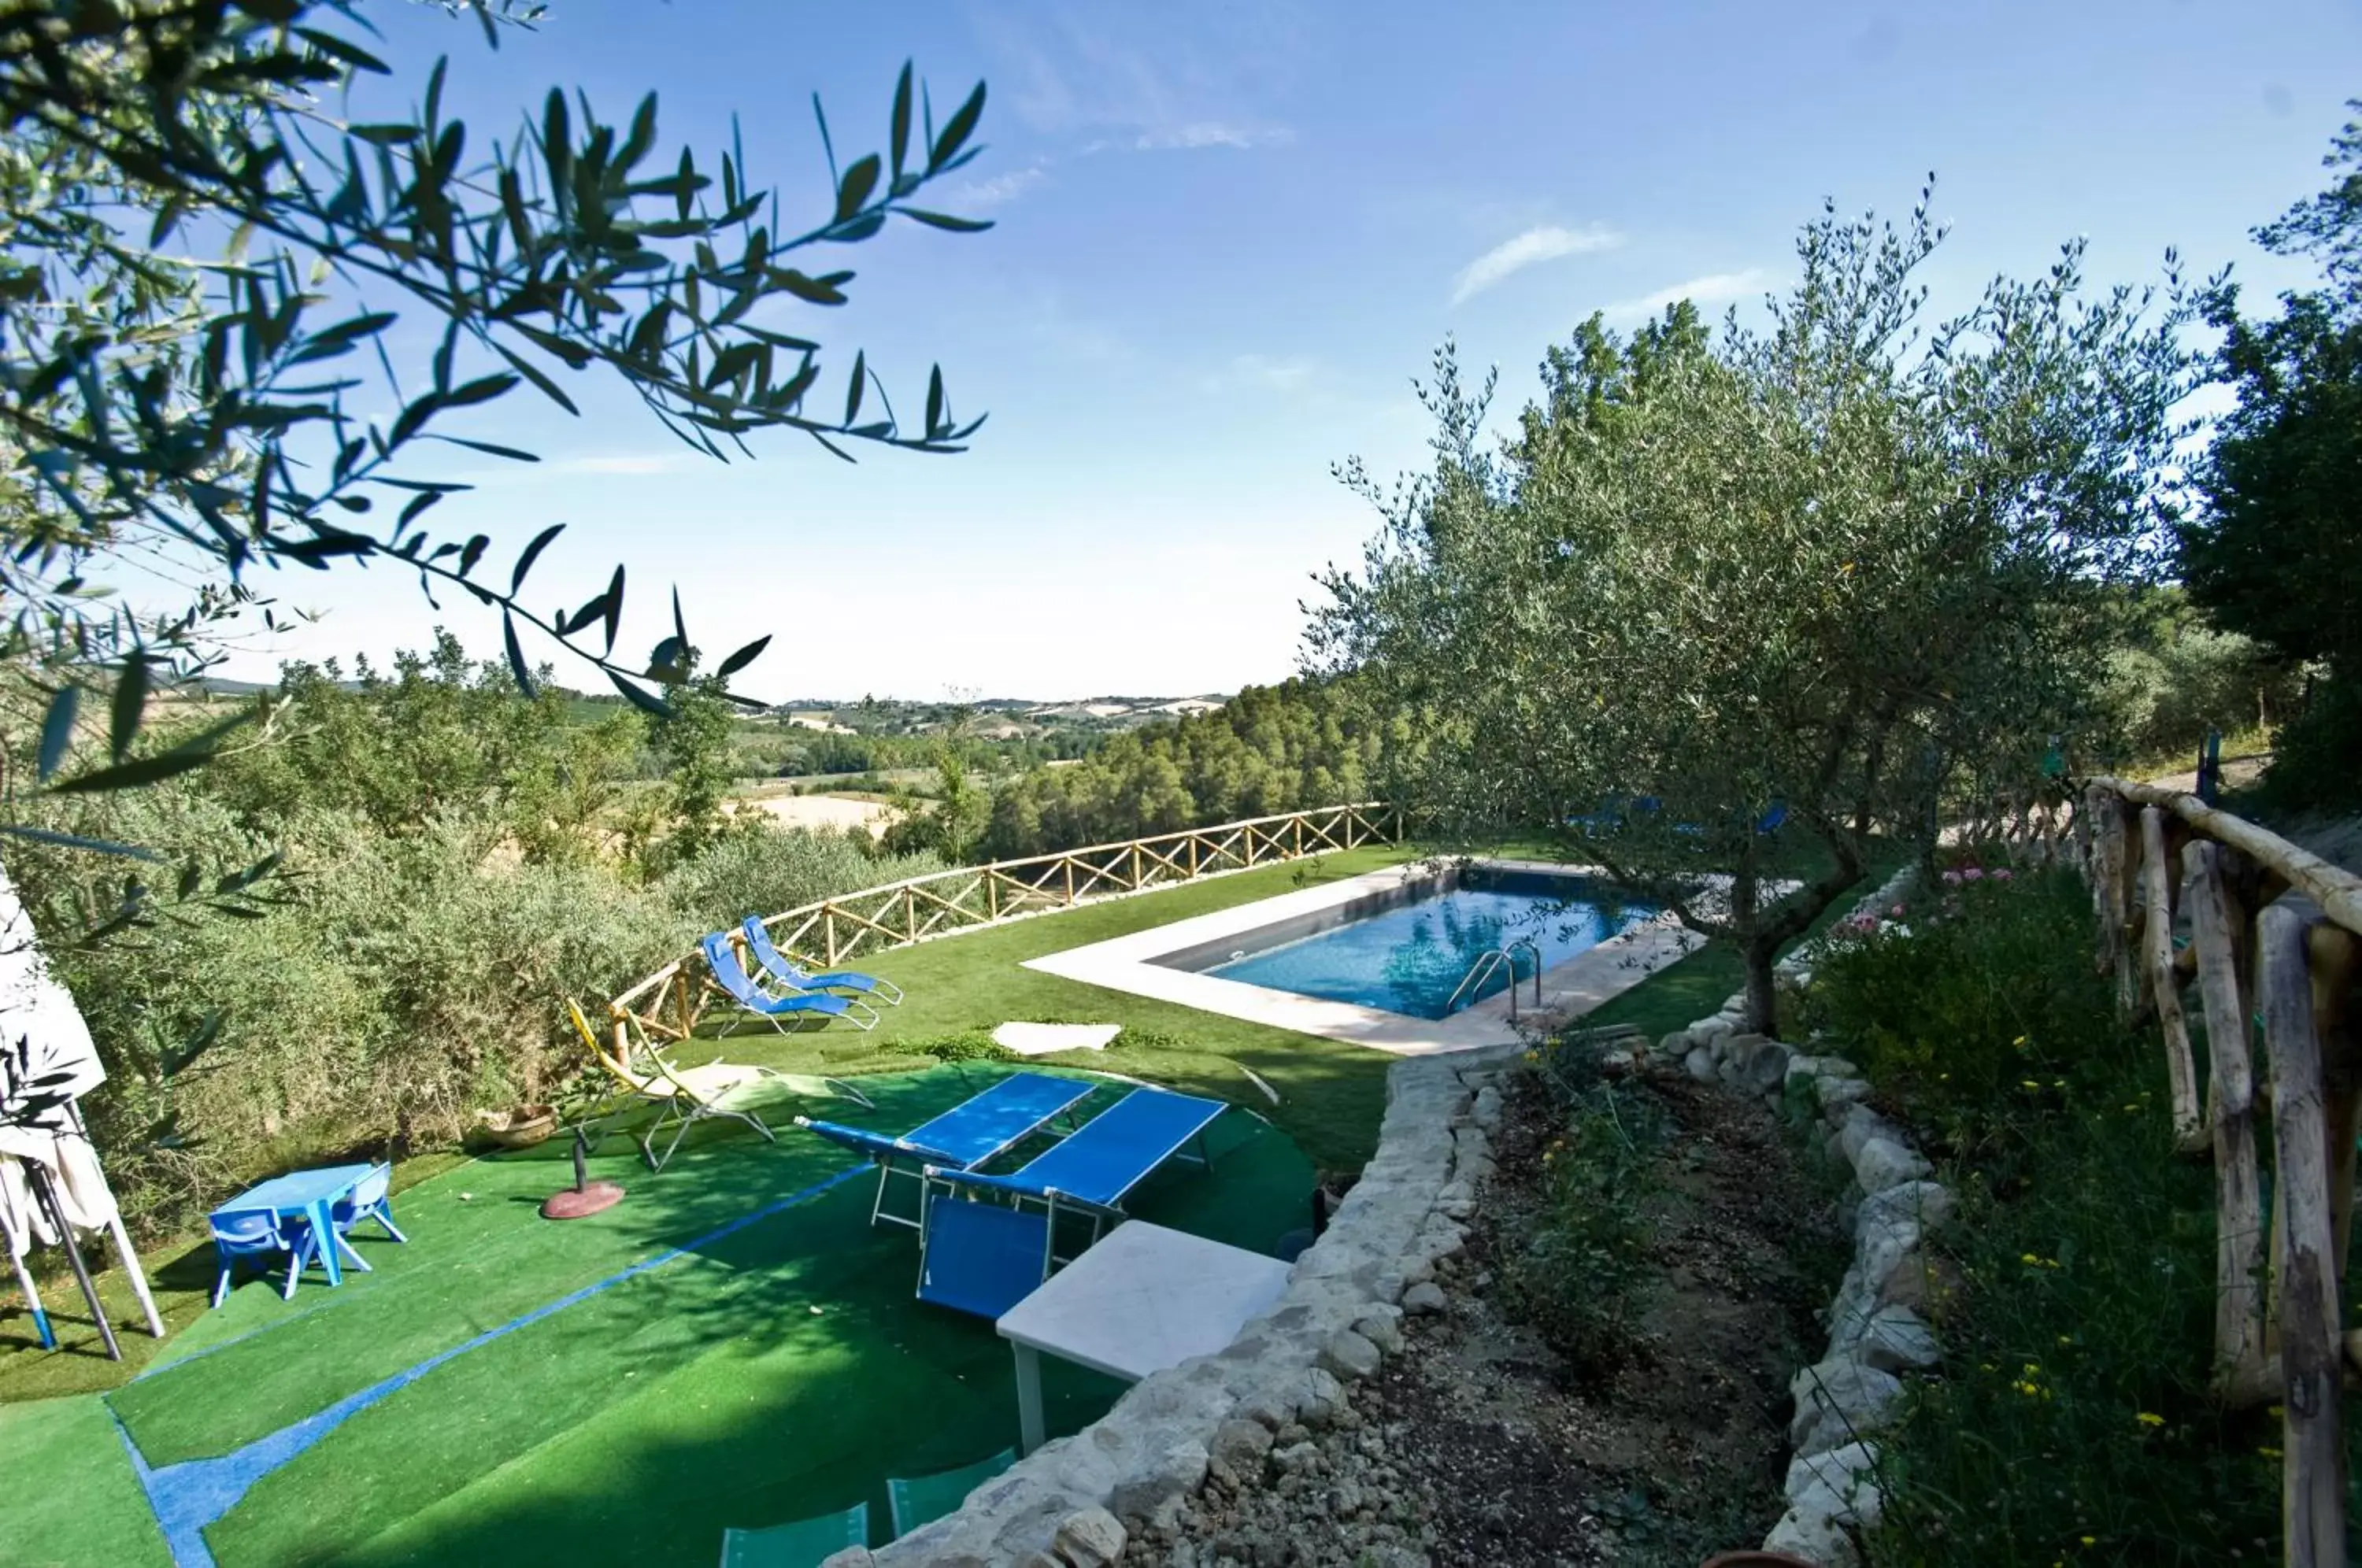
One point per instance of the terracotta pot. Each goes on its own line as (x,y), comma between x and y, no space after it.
(520,1128)
(1756,1559)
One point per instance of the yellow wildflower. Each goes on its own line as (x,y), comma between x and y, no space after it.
(2029,1083)
(2089,1539)
(2147,1420)
(2268,1451)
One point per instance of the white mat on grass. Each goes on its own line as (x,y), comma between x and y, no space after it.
(1048,1039)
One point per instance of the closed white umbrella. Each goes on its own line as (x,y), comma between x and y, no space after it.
(47,1062)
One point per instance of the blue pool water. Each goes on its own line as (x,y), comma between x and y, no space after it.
(1409,959)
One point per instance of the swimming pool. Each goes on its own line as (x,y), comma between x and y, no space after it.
(1411,955)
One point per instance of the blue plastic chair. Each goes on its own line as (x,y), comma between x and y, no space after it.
(370,1199)
(253,1234)
(783,968)
(739,986)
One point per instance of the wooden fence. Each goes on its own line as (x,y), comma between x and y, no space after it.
(2275,934)
(855,925)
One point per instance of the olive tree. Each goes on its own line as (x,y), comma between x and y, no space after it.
(204,262)
(1727,606)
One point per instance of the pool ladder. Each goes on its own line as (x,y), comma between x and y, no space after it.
(1497,959)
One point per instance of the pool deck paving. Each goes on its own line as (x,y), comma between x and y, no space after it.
(1130,964)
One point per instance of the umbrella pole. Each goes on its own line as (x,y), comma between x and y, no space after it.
(38,1175)
(122,1238)
(33,1300)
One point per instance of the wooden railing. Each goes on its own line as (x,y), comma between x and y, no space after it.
(854,925)
(2275,942)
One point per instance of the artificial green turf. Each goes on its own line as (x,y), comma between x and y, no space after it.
(72,1499)
(780,1371)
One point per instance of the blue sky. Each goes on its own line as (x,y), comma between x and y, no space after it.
(1229,235)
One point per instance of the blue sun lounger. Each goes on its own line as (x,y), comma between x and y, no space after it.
(732,977)
(967,1135)
(984,1257)
(782,968)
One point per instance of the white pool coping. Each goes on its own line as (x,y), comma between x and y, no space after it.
(1569,990)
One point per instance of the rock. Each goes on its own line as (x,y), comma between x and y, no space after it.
(1699,1063)
(1487,1107)
(1675,1044)
(1896,1339)
(1298,1457)
(1837,1402)
(1815,1538)
(1383,1329)
(1838,1485)
(1930,1286)
(1838,1094)
(1156,1484)
(1859,1125)
(1426,1297)
(1092,1537)
(1883,1163)
(1348,1356)
(851,1557)
(1240,1445)
(1925,1204)
(1757,1067)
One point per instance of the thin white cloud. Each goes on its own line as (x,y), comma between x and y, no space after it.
(1712,289)
(631,464)
(1543,242)
(1282,375)
(999,189)
(1212,132)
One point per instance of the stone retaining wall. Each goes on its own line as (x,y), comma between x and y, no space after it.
(1065,1503)
(1878,1324)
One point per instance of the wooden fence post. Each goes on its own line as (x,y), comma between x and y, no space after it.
(2108,888)
(2239,1201)
(2157,943)
(2312,1488)
(2332,953)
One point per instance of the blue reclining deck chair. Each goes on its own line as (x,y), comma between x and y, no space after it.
(732,977)
(962,1137)
(806,1544)
(778,967)
(981,1257)
(923,1499)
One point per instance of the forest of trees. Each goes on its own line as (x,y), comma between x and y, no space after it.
(1270,749)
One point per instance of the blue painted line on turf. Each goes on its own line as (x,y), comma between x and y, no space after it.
(191,1495)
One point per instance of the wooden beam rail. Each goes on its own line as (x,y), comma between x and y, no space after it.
(2274,948)
(852,925)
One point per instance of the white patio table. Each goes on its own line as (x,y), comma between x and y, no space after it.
(1144,1299)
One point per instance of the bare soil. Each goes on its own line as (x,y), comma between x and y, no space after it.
(1679,1451)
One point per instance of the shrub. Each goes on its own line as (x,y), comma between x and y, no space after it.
(1979,1008)
(1577,1270)
(973,1043)
(760,867)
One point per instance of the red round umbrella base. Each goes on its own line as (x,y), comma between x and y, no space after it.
(573,1203)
